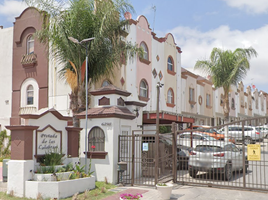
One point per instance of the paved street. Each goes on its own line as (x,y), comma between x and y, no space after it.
(256,177)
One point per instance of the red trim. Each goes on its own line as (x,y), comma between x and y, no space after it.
(172,105)
(165,117)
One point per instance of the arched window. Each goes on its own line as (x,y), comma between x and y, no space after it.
(96,139)
(105,83)
(170,96)
(170,64)
(30,95)
(30,44)
(144,89)
(145,51)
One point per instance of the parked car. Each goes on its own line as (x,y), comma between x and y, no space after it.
(216,157)
(210,131)
(263,129)
(251,134)
(185,146)
(183,153)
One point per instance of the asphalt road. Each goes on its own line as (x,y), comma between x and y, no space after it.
(255,178)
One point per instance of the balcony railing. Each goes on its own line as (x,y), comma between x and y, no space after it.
(28,60)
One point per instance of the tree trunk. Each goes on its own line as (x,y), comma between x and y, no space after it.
(226,108)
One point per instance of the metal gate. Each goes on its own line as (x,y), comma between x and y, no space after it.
(240,161)
(149,157)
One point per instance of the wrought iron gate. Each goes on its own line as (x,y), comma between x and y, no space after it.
(149,157)
(241,161)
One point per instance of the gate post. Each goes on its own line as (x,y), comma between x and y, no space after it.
(174,151)
(244,159)
(133,157)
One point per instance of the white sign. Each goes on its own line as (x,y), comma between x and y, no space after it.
(145,146)
(48,140)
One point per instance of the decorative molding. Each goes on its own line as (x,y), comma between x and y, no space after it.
(104,101)
(171,72)
(172,105)
(96,154)
(28,61)
(147,62)
(144,98)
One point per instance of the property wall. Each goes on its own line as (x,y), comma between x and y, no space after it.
(6,52)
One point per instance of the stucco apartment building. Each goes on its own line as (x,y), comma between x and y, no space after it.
(30,82)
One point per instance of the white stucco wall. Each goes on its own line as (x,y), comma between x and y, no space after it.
(58,90)
(106,167)
(6,52)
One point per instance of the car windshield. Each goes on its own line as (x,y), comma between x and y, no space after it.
(208,148)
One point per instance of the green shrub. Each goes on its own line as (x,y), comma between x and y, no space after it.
(52,158)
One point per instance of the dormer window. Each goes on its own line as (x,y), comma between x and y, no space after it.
(30,45)
(105,83)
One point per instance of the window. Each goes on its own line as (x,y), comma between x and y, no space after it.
(233,103)
(30,45)
(221,101)
(145,51)
(208,100)
(30,95)
(105,83)
(191,94)
(143,89)
(170,64)
(96,138)
(170,96)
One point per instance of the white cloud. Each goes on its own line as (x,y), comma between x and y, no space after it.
(251,6)
(12,9)
(197,45)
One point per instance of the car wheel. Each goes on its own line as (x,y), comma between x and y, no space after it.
(193,173)
(247,141)
(228,173)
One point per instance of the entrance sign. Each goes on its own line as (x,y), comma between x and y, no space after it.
(48,139)
(145,147)
(254,152)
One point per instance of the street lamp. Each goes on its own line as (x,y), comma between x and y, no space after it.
(158,86)
(87,40)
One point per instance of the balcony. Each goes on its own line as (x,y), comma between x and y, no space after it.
(28,60)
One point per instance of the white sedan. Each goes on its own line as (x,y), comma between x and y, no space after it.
(217,157)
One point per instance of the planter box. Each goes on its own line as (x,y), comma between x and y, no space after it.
(165,191)
(50,177)
(58,189)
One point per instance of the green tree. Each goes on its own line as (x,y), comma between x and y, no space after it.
(227,68)
(83,19)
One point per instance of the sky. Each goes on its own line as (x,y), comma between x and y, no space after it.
(198,26)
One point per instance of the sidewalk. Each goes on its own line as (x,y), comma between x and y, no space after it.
(180,192)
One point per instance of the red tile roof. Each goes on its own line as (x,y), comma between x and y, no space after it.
(104,112)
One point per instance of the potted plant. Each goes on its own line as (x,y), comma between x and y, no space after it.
(130,196)
(164,190)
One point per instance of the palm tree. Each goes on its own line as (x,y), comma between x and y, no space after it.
(82,19)
(226,68)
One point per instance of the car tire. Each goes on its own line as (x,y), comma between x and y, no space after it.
(247,140)
(193,173)
(228,172)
